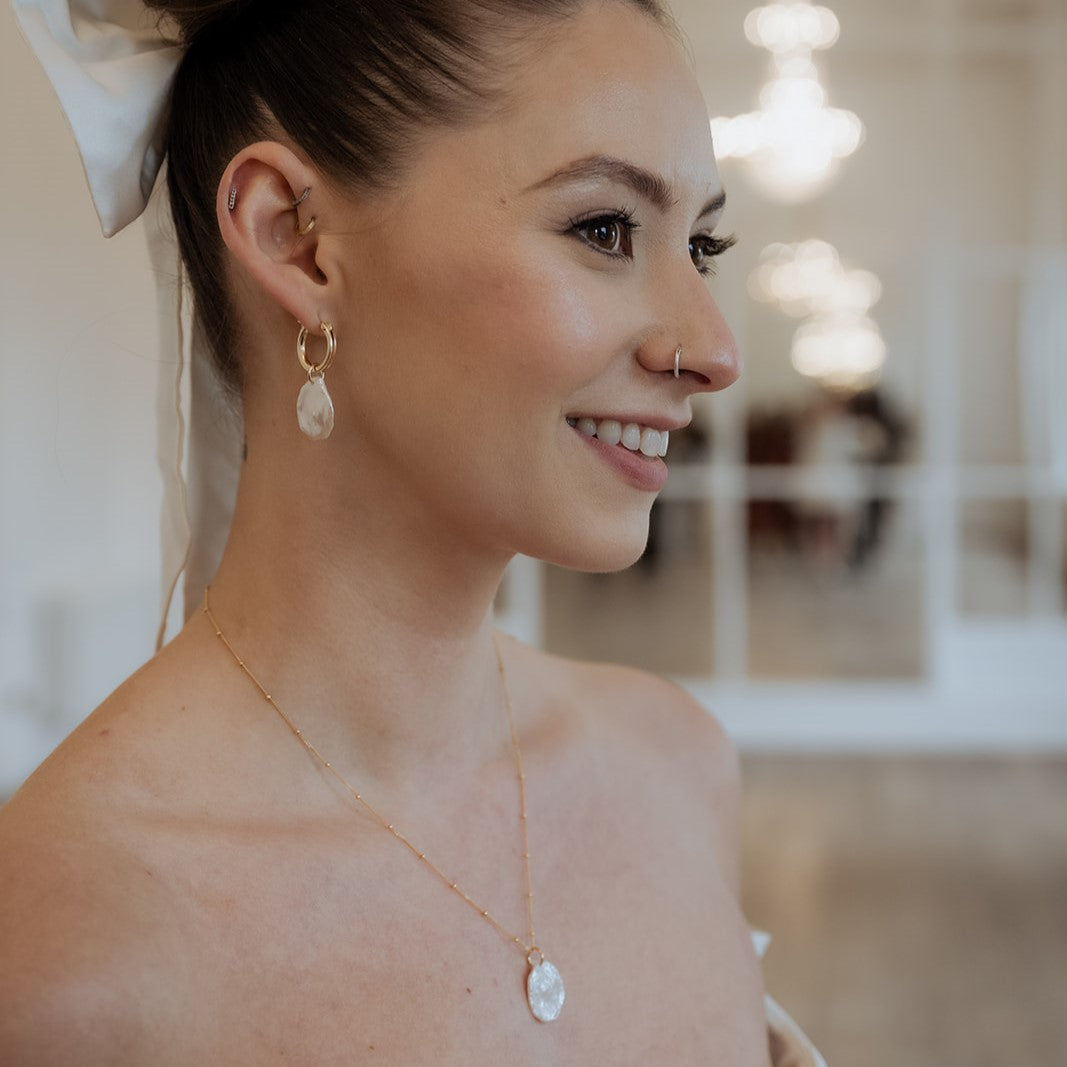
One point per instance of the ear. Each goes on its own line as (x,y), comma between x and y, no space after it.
(262,229)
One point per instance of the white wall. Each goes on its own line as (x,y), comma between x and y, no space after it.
(79,496)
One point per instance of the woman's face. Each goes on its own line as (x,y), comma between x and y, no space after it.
(538,269)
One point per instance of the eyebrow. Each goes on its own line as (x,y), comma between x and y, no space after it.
(643,182)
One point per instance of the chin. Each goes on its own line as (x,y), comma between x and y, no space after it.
(596,548)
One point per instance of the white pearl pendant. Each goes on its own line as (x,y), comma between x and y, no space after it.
(544,991)
(314,409)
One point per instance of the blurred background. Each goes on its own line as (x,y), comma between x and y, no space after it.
(860,560)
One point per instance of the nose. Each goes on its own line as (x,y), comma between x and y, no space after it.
(693,328)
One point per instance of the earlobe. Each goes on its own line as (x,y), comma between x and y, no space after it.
(259,217)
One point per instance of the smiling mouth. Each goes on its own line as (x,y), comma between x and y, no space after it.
(643,440)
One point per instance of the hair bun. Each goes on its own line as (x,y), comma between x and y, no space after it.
(193,17)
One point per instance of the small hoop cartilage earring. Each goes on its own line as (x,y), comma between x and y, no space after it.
(233,197)
(314,407)
(678,361)
(303,232)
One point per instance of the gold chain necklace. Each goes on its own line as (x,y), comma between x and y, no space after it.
(544,984)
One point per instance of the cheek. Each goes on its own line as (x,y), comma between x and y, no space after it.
(475,350)
(522,321)
(473,357)
(490,295)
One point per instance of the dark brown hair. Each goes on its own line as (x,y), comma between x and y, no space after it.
(349,81)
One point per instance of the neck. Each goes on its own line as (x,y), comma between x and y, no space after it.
(372,629)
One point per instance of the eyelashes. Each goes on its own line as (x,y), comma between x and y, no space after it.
(611,233)
(706,247)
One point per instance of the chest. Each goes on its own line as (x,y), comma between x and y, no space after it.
(319,957)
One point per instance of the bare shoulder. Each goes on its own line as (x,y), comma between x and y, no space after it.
(82,911)
(672,750)
(656,719)
(660,718)
(78,937)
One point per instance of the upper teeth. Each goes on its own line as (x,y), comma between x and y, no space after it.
(630,435)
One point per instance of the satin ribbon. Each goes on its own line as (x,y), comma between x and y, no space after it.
(113,69)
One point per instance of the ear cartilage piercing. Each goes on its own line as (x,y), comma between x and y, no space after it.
(296,203)
(233,197)
(677,361)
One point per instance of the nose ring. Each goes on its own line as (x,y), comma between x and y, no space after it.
(677,361)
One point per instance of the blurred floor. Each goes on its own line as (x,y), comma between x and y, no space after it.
(918,905)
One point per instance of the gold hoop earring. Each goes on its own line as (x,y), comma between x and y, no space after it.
(314,406)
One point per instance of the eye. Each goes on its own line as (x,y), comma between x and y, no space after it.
(705,247)
(611,234)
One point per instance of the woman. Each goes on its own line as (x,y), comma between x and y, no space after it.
(338,819)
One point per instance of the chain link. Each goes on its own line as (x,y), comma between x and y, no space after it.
(529,949)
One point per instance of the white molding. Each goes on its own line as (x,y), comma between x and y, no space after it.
(883,717)
(1002,686)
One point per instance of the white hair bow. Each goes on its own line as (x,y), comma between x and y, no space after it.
(112,69)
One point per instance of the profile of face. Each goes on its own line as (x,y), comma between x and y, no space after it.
(535,269)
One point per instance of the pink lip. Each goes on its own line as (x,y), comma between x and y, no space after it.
(644,473)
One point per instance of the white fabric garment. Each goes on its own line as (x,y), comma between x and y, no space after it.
(789,1045)
(112,68)
(198,431)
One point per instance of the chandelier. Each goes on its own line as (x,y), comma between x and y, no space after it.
(795,143)
(839,344)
